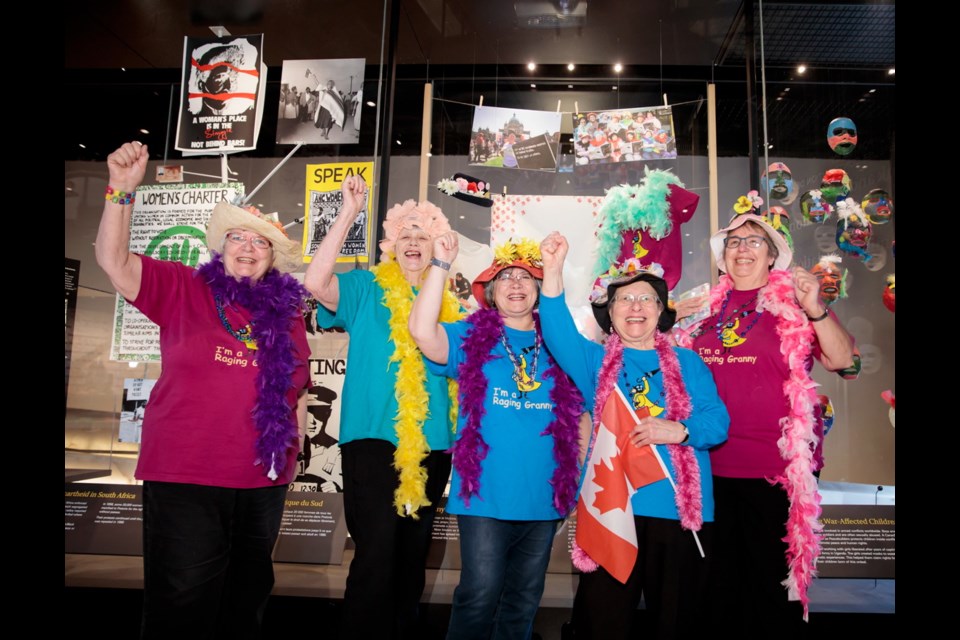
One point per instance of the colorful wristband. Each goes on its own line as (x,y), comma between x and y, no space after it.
(120,197)
(437,262)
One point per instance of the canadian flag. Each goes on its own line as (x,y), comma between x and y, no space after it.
(616,469)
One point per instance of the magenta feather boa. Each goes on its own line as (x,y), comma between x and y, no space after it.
(275,303)
(798,438)
(470,448)
(688,496)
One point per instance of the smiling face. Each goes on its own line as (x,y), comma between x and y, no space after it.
(748,266)
(246,254)
(634,313)
(515,294)
(413,250)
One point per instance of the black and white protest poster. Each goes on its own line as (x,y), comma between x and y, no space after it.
(222,94)
(319,463)
(133,408)
(320,101)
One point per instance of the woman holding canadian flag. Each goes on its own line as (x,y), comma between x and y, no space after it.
(646,502)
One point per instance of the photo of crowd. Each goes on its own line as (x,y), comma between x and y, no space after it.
(624,135)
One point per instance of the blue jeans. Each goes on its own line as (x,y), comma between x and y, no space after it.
(504,563)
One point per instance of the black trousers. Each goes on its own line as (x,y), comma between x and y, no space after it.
(207,564)
(746,594)
(386,576)
(669,573)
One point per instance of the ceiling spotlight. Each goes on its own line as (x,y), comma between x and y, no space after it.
(123,68)
(531,66)
(785,89)
(618,67)
(872,91)
(569,86)
(614,87)
(399,144)
(769,146)
(802,68)
(891,72)
(82,146)
(144,132)
(371,103)
(533,86)
(571,67)
(463,217)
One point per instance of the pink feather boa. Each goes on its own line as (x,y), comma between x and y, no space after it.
(798,438)
(688,496)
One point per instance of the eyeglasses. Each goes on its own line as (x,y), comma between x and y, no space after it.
(628,299)
(754,242)
(258,242)
(519,275)
(839,131)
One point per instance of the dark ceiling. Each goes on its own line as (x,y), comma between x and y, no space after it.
(123,57)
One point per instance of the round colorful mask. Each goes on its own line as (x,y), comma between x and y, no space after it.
(833,279)
(842,136)
(890,293)
(853,230)
(777,181)
(835,185)
(815,207)
(779,219)
(877,206)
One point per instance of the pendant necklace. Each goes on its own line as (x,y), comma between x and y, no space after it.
(244,334)
(524,381)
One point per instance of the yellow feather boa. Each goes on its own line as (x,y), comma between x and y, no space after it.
(410,387)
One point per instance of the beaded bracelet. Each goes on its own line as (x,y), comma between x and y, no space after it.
(120,197)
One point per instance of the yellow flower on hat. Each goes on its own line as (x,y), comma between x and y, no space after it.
(743,205)
(525,250)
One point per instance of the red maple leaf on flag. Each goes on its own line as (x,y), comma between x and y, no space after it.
(613,492)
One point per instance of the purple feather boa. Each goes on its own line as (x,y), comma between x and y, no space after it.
(470,448)
(274,303)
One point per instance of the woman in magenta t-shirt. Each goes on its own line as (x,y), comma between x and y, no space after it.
(767,324)
(226,417)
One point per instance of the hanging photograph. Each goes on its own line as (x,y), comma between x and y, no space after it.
(221,100)
(320,101)
(515,138)
(639,134)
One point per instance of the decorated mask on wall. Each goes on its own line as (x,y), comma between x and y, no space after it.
(877,206)
(842,136)
(815,207)
(835,185)
(833,279)
(853,229)
(780,181)
(890,293)
(779,219)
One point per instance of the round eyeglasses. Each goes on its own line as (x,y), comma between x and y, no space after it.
(258,242)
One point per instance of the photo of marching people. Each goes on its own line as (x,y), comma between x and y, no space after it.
(320,101)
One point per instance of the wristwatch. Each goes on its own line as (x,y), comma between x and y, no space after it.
(686,434)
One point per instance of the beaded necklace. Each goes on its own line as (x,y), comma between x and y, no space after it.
(524,381)
(244,334)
